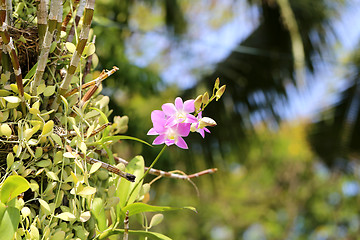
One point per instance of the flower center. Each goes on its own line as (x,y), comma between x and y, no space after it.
(171,134)
(181,116)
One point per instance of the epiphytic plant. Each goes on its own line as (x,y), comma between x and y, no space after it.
(55,135)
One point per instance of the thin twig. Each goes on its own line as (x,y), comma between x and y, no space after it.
(161,173)
(106,166)
(103,75)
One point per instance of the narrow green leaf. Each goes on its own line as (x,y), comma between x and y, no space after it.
(31,73)
(139,207)
(12,187)
(123,137)
(139,233)
(103,116)
(124,188)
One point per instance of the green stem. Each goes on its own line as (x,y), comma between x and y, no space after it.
(147,171)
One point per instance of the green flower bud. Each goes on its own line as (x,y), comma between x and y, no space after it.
(220,92)
(198,102)
(217,83)
(205,98)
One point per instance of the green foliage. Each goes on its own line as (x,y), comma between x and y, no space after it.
(9,211)
(12,187)
(56,138)
(136,208)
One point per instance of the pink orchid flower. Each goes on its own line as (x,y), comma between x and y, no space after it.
(171,135)
(180,112)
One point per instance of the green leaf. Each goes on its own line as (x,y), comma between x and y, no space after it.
(41,89)
(66,104)
(138,207)
(52,176)
(70,47)
(12,99)
(4,93)
(59,235)
(140,233)
(31,72)
(98,211)
(125,188)
(9,223)
(66,216)
(123,137)
(49,91)
(12,187)
(103,116)
(48,128)
(95,167)
(9,160)
(85,216)
(57,139)
(34,233)
(2,210)
(87,191)
(45,206)
(43,163)
(89,50)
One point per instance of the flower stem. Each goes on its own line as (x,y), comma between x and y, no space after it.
(147,171)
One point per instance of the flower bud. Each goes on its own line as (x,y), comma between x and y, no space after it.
(220,92)
(206,122)
(197,102)
(217,83)
(205,98)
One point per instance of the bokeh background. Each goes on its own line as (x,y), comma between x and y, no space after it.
(287,141)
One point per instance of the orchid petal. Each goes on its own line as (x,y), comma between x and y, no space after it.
(179,103)
(181,143)
(152,131)
(169,109)
(159,140)
(183,129)
(169,142)
(171,121)
(202,132)
(157,115)
(191,119)
(189,106)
